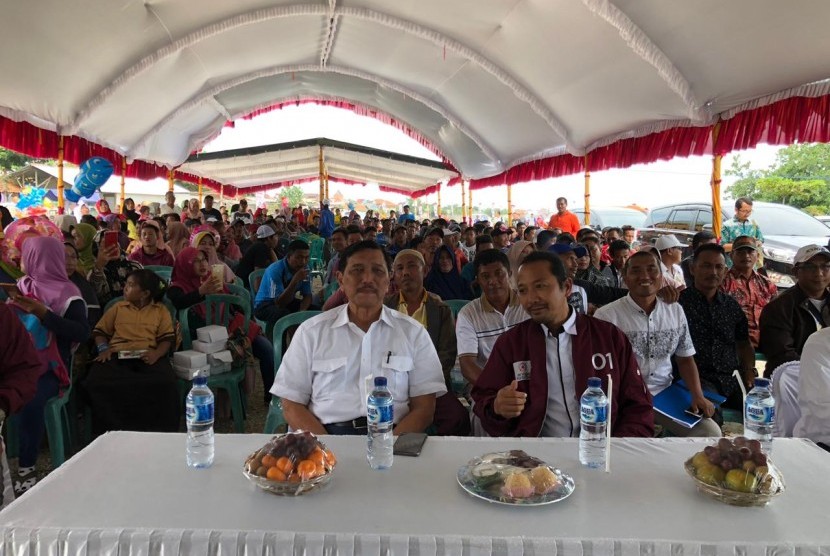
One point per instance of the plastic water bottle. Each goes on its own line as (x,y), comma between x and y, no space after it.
(759,414)
(380,413)
(593,410)
(199,416)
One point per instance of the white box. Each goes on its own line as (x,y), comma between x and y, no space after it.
(210,347)
(190,359)
(213,333)
(183,372)
(220,362)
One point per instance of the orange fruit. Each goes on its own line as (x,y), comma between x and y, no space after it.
(275,474)
(284,464)
(294,478)
(330,459)
(307,469)
(318,457)
(268,460)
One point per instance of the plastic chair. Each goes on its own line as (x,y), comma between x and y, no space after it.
(56,418)
(230,381)
(329,290)
(275,417)
(254,279)
(240,291)
(316,253)
(456,305)
(163,272)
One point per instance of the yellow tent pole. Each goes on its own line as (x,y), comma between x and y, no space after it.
(509,204)
(463,204)
(60,175)
(438,208)
(715,183)
(200,191)
(470,201)
(123,177)
(170,180)
(322,176)
(587,192)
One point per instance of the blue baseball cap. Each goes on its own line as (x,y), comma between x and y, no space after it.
(562,248)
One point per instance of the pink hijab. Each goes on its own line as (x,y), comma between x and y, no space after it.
(44,261)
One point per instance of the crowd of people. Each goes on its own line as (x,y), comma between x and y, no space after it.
(525,314)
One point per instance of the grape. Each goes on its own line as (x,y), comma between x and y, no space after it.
(709,450)
(745,453)
(724,445)
(727,464)
(735,458)
(740,441)
(755,446)
(760,459)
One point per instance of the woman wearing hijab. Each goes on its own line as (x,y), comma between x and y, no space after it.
(5,217)
(443,278)
(177,238)
(206,240)
(129,211)
(102,207)
(516,254)
(93,308)
(192,211)
(84,236)
(190,283)
(52,309)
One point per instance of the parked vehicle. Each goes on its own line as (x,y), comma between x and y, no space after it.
(615,217)
(824,219)
(785,229)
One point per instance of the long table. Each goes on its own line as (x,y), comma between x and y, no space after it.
(131,493)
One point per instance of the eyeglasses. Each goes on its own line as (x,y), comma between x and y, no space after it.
(811,267)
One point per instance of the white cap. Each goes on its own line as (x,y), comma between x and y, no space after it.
(809,251)
(667,242)
(264,231)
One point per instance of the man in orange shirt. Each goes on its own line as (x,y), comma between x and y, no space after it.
(564,219)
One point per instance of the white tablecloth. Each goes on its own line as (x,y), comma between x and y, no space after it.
(131,494)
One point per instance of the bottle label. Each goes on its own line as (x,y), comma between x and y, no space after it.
(590,413)
(199,413)
(377,415)
(760,415)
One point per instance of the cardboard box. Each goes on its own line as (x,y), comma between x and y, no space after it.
(210,347)
(183,372)
(220,362)
(190,359)
(213,333)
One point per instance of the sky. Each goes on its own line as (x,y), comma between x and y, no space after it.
(647,185)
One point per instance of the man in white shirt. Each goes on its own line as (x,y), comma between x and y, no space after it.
(324,376)
(671,252)
(169,207)
(814,389)
(657,331)
(483,320)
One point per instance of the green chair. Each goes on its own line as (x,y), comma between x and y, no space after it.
(330,289)
(230,381)
(456,305)
(316,253)
(163,272)
(254,280)
(240,291)
(56,418)
(275,418)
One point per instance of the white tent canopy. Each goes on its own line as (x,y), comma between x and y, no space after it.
(488,83)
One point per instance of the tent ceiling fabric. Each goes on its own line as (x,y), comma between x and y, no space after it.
(272,166)
(489,83)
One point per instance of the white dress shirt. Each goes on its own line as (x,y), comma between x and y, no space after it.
(329,364)
(562,415)
(655,337)
(479,325)
(814,388)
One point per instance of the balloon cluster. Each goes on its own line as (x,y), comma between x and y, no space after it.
(93,174)
(31,197)
(18,231)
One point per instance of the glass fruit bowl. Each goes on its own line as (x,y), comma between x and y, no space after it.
(291,464)
(736,472)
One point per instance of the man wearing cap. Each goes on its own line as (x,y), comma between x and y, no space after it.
(326,372)
(243,213)
(285,287)
(397,241)
(671,251)
(406,215)
(747,286)
(718,327)
(532,381)
(501,239)
(451,418)
(789,319)
(169,207)
(564,220)
(208,211)
(150,253)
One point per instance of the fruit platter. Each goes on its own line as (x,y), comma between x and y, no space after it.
(736,472)
(514,478)
(291,464)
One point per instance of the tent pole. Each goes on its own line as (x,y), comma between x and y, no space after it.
(438,208)
(715,183)
(60,176)
(470,200)
(322,177)
(587,192)
(123,177)
(200,191)
(509,204)
(463,204)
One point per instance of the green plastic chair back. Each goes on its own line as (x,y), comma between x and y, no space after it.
(330,289)
(240,291)
(163,272)
(275,416)
(456,305)
(254,280)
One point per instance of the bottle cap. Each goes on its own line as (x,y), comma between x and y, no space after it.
(200,376)
(594,382)
(380,381)
(762,383)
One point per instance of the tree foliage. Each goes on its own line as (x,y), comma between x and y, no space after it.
(11,161)
(800,177)
(294,195)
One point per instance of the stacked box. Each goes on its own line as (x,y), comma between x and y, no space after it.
(220,362)
(185,363)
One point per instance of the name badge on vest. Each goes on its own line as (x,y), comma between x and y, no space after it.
(521,369)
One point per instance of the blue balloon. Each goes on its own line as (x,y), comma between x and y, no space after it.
(93,174)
